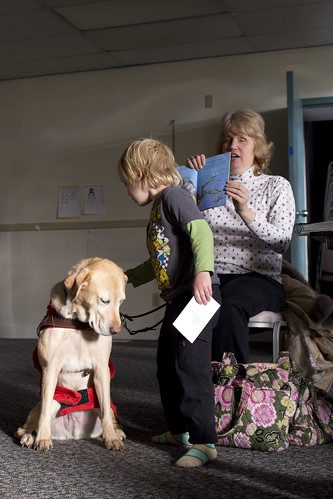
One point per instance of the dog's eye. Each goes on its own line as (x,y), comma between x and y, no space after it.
(105,301)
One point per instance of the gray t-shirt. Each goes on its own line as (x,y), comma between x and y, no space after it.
(168,244)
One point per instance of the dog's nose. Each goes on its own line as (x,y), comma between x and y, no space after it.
(115,328)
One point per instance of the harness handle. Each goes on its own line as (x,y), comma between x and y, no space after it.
(123,318)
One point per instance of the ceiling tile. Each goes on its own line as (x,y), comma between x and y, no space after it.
(114,13)
(285,19)
(13,6)
(58,66)
(245,5)
(61,3)
(293,39)
(165,33)
(47,48)
(40,37)
(211,48)
(32,24)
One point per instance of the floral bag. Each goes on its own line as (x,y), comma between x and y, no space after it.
(312,423)
(267,406)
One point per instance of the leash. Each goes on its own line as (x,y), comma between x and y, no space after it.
(124,317)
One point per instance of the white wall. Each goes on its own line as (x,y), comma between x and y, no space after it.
(71,130)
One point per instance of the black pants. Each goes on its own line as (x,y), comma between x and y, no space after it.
(242,296)
(184,374)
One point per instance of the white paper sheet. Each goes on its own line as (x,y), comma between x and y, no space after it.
(94,200)
(191,321)
(69,201)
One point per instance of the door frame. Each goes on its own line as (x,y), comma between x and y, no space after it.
(297,172)
(317,102)
(314,102)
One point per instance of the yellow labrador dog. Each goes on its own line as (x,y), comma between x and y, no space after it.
(74,347)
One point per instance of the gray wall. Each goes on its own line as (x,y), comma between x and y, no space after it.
(71,130)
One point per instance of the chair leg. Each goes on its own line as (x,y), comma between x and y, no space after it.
(277,339)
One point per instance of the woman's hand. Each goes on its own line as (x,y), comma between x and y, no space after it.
(196,162)
(240,196)
(202,287)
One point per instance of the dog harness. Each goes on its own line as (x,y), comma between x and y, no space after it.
(53,320)
(70,400)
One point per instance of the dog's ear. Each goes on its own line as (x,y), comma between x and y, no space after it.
(76,280)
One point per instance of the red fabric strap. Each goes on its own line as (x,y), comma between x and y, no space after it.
(71,397)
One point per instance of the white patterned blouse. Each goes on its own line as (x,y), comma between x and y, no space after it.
(258,246)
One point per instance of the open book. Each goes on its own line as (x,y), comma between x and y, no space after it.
(207,185)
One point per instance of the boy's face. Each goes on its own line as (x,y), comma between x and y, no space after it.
(139,192)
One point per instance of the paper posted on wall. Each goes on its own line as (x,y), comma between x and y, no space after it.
(69,201)
(94,200)
(191,321)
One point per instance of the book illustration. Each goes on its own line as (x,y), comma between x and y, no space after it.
(207,186)
(219,194)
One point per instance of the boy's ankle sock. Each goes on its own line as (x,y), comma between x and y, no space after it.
(198,455)
(173,439)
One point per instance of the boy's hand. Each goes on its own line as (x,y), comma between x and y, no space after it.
(202,287)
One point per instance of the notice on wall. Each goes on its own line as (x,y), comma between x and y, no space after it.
(94,200)
(69,201)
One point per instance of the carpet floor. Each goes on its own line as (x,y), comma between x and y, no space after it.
(85,469)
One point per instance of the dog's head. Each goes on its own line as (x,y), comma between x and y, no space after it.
(92,292)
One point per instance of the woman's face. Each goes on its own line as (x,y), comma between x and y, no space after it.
(242,152)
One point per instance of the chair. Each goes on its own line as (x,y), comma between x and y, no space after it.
(274,321)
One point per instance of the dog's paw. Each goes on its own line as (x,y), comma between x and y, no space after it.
(114,444)
(43,445)
(28,440)
(26,437)
(120,434)
(20,432)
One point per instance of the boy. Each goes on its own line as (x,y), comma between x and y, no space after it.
(181,258)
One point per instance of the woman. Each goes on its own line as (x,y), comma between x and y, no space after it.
(251,232)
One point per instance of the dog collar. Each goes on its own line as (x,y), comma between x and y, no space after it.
(54,320)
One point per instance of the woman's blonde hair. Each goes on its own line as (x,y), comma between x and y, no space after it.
(251,123)
(154,159)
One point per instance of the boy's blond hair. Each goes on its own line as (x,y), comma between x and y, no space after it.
(154,159)
(250,123)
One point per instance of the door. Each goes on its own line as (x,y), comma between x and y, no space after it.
(297,173)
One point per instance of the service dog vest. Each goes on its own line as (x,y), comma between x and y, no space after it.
(70,400)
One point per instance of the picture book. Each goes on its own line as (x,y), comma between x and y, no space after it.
(207,185)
